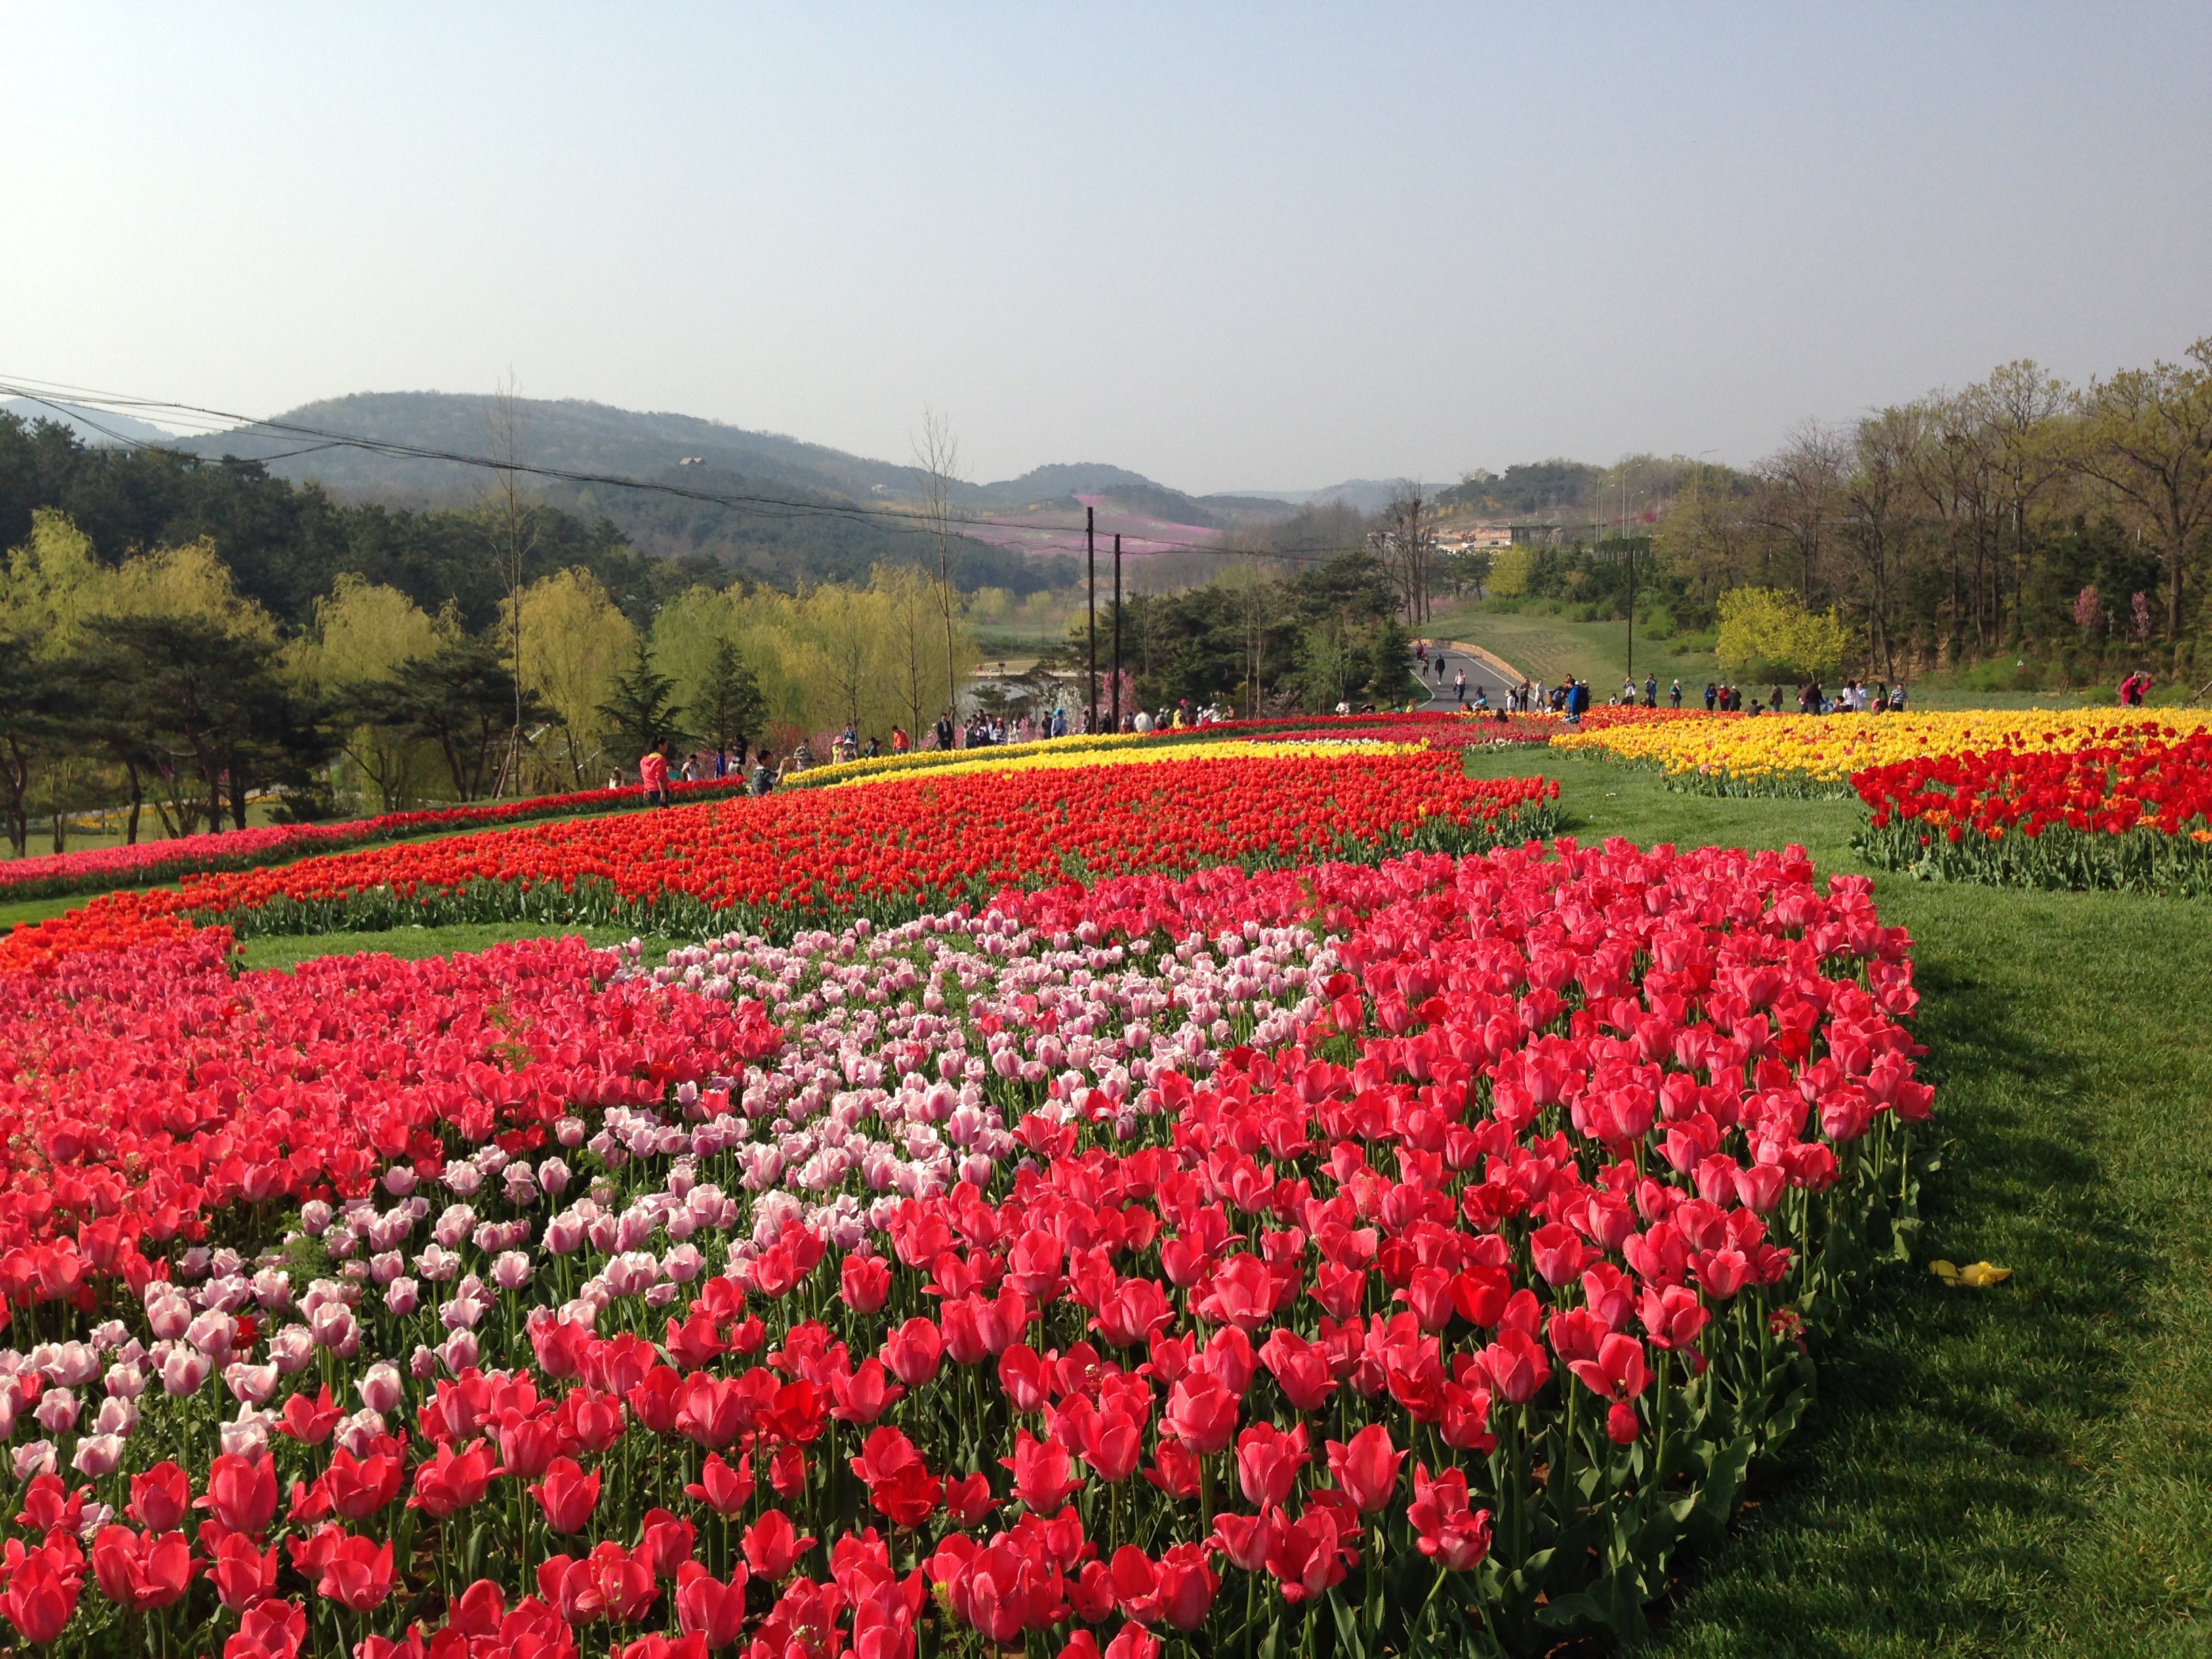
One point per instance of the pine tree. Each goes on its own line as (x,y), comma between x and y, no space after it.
(731,705)
(643,710)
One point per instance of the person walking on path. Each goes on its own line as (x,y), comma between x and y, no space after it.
(1459,686)
(1674,696)
(653,772)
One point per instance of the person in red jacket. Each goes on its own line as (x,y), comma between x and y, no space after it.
(652,771)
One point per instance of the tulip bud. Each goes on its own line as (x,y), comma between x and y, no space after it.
(34,1459)
(402,1297)
(183,1370)
(291,1350)
(379,1387)
(97,1455)
(459,1352)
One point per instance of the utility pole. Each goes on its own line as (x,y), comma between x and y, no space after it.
(1091,559)
(1117,630)
(1630,547)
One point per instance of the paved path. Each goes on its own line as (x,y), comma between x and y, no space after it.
(1485,669)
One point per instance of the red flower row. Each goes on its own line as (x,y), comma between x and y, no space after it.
(2133,814)
(884,849)
(145,1091)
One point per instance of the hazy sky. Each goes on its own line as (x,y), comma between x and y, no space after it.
(1265,247)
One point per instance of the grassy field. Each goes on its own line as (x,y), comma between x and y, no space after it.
(1552,648)
(412,944)
(2025,1470)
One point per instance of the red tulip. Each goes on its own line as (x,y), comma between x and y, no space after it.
(1187,1583)
(527,1443)
(244,1576)
(967,1499)
(1300,1368)
(708,1606)
(1202,1415)
(1241,1293)
(41,1595)
(310,1420)
(1175,1468)
(1043,1471)
(1307,1555)
(590,1418)
(913,1352)
(1269,1461)
(1445,1530)
(269,1630)
(161,1498)
(566,1495)
(356,1574)
(666,1541)
(709,1410)
(722,1487)
(1136,1583)
(141,1573)
(1366,1468)
(787,1472)
(242,1493)
(866,1395)
(358,1487)
(863,1283)
(449,1481)
(1516,1366)
(772,1544)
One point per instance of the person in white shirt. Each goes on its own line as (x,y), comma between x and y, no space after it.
(1144,721)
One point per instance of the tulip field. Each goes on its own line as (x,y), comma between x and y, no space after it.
(1265,1195)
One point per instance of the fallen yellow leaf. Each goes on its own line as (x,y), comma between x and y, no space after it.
(1943,1270)
(1983,1275)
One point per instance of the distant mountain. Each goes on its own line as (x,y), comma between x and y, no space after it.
(1361,494)
(1040,513)
(92,426)
(570,434)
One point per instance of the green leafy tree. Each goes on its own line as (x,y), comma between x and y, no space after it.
(1770,628)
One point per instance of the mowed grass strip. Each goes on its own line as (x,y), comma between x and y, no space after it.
(2024,1470)
(287,951)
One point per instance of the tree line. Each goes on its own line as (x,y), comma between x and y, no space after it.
(2019,519)
(155,685)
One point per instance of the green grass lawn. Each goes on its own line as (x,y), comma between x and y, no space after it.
(287,951)
(1552,648)
(2025,1470)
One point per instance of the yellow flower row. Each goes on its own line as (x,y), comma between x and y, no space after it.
(1784,750)
(932,760)
(1043,757)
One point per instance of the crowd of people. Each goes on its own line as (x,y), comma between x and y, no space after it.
(1569,699)
(657,766)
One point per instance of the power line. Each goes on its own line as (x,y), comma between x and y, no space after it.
(47,392)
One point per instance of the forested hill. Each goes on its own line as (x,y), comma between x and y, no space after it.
(569,435)
(577,436)
(286,543)
(786,539)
